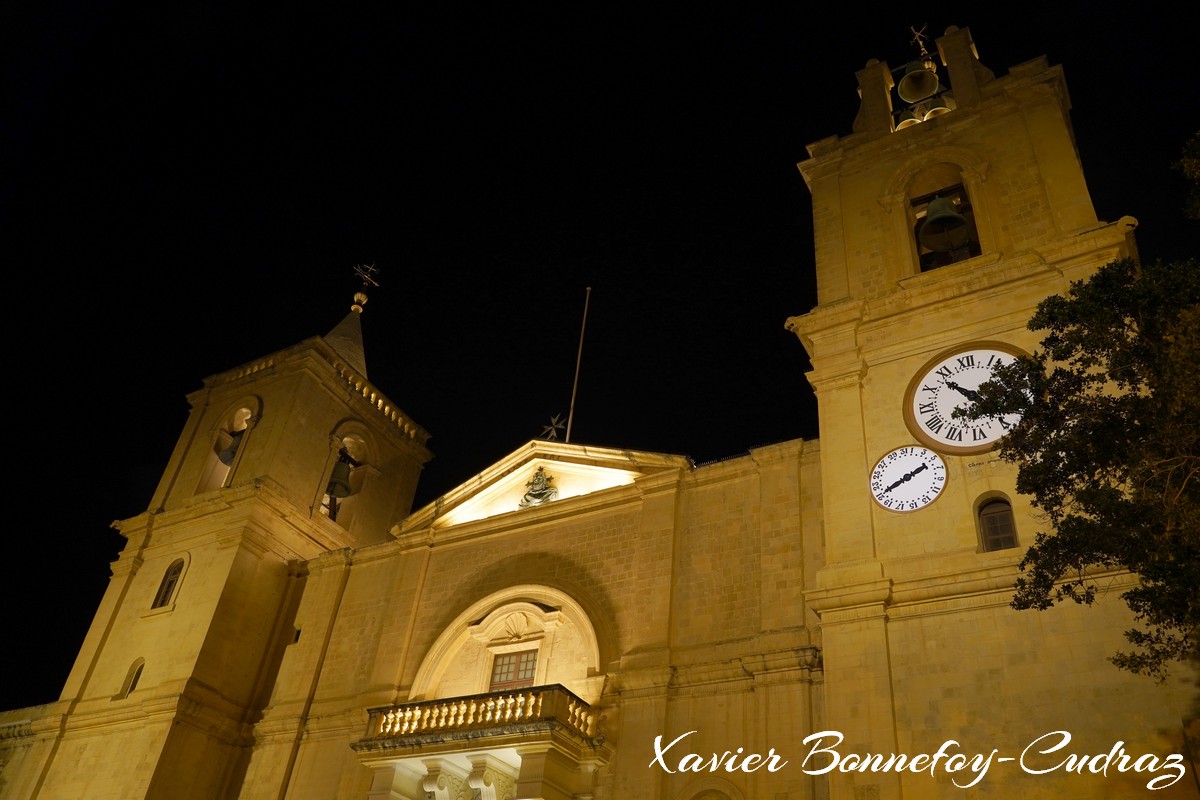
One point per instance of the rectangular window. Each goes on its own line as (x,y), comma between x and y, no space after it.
(513,670)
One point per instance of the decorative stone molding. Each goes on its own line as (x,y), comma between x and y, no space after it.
(489,779)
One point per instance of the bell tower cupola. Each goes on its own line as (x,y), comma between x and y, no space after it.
(946,165)
(281,460)
(306,425)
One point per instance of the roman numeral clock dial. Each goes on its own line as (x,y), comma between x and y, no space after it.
(949,381)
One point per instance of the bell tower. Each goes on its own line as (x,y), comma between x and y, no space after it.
(282,459)
(957,203)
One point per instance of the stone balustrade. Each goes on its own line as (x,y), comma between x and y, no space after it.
(511,710)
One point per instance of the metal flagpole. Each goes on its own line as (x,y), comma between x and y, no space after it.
(578,361)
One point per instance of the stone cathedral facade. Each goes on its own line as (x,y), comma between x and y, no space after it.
(587,623)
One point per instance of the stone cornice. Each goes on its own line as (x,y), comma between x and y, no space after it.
(250,511)
(957,585)
(356,384)
(617,499)
(873,593)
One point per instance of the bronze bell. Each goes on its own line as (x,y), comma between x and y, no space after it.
(339,480)
(226,456)
(944,228)
(919,81)
(907,120)
(936,107)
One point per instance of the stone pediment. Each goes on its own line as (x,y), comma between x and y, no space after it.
(541,473)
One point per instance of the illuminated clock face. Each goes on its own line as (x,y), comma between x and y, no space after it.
(948,382)
(908,478)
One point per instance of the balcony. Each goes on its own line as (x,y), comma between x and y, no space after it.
(496,714)
(538,742)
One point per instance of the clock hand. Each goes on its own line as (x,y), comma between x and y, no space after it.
(970,394)
(908,476)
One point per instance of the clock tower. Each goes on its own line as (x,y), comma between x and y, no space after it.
(957,203)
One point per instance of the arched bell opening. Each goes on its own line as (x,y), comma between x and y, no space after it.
(346,478)
(228,443)
(944,229)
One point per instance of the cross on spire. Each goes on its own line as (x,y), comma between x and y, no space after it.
(367,272)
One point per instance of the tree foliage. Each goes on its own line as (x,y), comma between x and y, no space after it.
(1108,447)
(1189,165)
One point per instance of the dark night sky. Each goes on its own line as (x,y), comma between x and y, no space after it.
(186,189)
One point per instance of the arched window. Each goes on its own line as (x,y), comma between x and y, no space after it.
(131,679)
(170,580)
(997,530)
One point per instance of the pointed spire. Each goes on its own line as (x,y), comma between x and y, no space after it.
(346,338)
